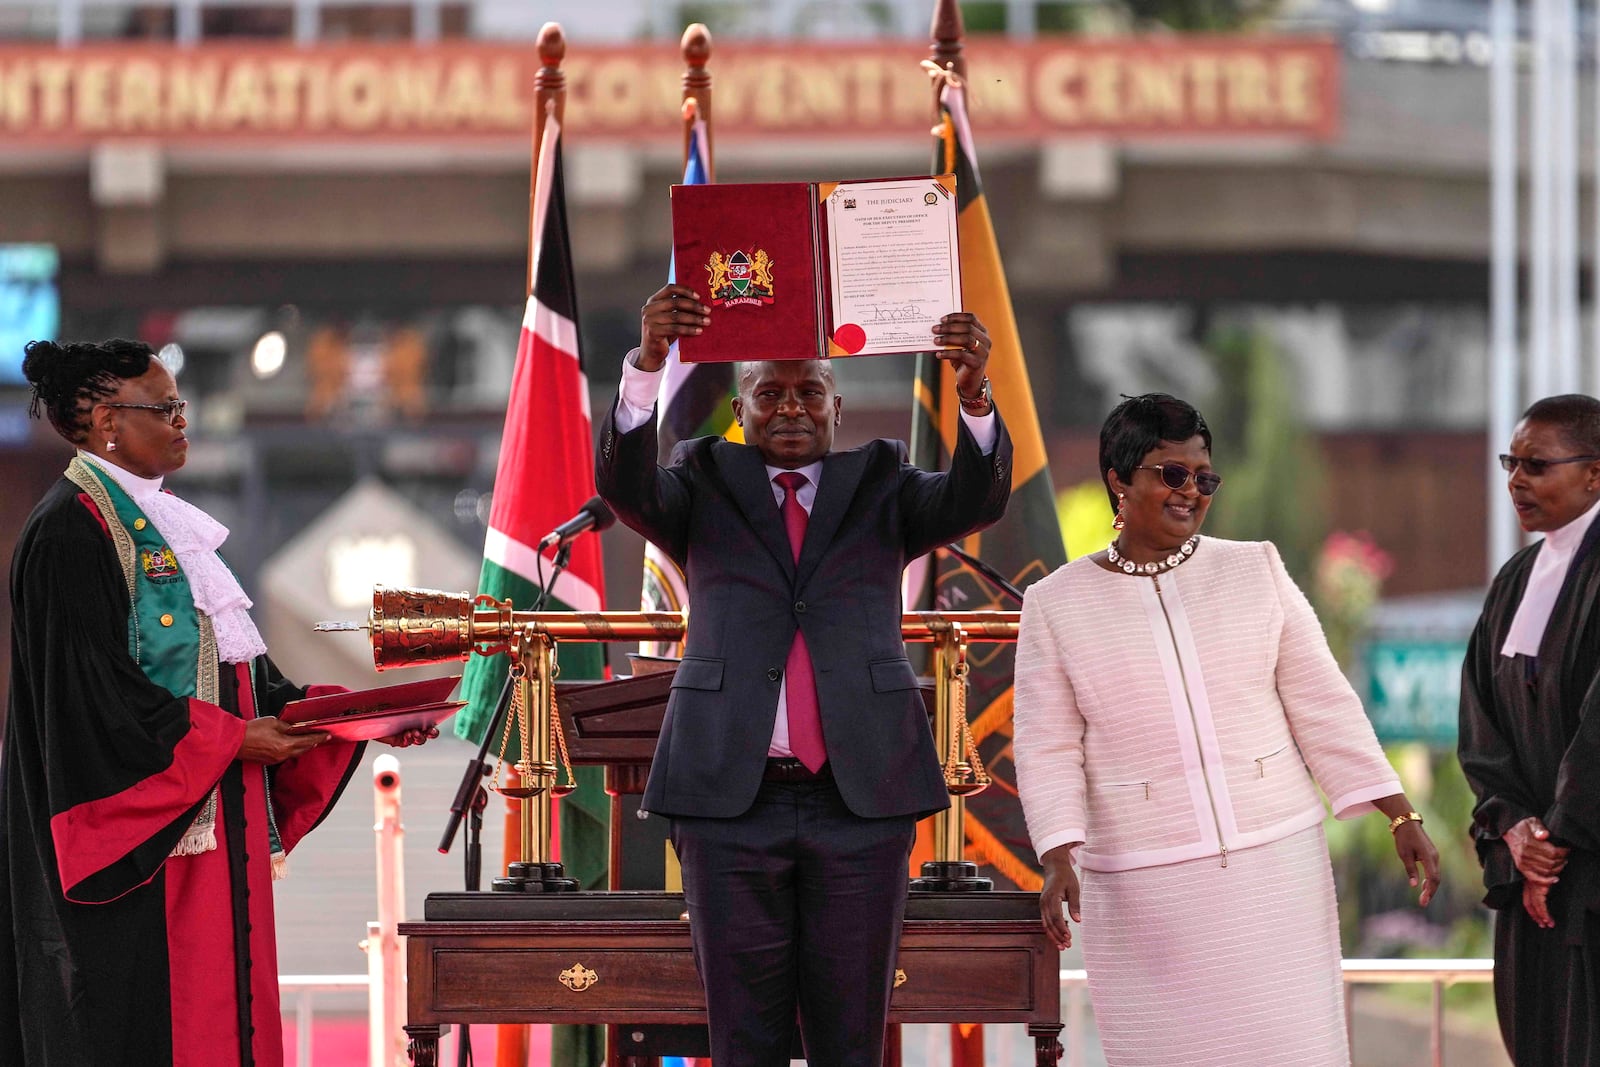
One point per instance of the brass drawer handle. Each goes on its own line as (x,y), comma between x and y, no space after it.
(578,978)
(899,978)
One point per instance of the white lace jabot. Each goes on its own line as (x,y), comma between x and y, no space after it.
(195,537)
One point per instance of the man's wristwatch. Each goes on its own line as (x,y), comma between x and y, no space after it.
(981,402)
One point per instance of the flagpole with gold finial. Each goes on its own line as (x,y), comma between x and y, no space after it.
(947,53)
(696,49)
(550,96)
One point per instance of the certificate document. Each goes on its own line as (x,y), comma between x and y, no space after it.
(894,263)
(799,270)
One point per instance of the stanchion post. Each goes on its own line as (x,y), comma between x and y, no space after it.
(386,1040)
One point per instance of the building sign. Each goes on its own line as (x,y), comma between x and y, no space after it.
(30,303)
(1120,87)
(1414,689)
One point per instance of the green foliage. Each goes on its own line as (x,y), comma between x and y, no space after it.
(1272,471)
(718,18)
(984,16)
(1052,17)
(1201,16)
(1350,572)
(880,12)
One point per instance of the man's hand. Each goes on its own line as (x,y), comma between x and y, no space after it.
(673,311)
(1531,850)
(267,740)
(968,349)
(410,737)
(1060,884)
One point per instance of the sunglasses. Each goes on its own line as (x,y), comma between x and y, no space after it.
(1534,468)
(1176,476)
(172,410)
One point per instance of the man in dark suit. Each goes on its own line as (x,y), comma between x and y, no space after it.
(795,756)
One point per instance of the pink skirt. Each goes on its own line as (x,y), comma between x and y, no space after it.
(1195,963)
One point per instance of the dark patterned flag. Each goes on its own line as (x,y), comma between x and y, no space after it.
(1026,544)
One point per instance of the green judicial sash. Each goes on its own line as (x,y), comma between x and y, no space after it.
(170,639)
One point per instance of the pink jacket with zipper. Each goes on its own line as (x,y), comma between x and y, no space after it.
(1190,715)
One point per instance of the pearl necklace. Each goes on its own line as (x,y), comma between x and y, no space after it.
(1128,566)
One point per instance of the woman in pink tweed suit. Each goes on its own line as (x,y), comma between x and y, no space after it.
(1177,709)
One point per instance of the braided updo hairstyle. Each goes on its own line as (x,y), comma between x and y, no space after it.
(70,379)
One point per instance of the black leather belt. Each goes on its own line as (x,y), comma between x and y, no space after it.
(789,769)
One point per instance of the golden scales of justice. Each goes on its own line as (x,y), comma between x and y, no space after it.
(411,627)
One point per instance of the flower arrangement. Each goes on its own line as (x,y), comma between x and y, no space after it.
(1350,572)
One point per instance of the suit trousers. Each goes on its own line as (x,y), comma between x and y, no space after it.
(795,905)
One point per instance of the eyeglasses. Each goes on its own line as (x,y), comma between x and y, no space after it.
(172,410)
(1176,476)
(1535,468)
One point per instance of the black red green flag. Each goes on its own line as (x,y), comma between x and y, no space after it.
(545,474)
(1026,544)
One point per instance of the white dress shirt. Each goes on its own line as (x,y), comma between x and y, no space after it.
(1544,586)
(636,404)
(640,388)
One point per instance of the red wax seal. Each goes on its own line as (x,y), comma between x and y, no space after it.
(850,337)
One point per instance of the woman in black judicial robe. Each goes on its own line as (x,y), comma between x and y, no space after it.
(1530,743)
(147,789)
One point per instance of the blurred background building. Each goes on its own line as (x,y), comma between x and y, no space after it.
(318,213)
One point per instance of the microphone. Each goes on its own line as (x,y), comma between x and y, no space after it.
(994,577)
(594,515)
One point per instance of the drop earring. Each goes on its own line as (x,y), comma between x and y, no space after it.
(111,445)
(1119,521)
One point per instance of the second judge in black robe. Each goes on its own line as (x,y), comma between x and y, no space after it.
(1530,743)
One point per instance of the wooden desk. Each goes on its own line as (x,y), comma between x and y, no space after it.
(623,958)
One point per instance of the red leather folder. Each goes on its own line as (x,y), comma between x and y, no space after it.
(757,255)
(373,713)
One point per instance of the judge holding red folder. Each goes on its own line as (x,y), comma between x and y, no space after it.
(148,790)
(795,756)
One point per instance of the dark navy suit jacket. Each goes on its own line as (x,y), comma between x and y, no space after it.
(712,510)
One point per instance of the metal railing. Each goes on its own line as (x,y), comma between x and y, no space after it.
(1441,974)
(302,990)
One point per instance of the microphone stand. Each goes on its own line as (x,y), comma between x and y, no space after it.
(995,577)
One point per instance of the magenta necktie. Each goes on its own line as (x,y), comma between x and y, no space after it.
(805,722)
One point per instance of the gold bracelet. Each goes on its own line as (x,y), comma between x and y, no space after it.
(1400,820)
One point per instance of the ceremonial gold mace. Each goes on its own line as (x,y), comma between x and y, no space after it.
(411,627)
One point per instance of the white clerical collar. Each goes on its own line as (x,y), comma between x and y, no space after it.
(1545,579)
(1567,539)
(140,489)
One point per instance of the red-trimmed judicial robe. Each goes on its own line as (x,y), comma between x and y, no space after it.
(115,952)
